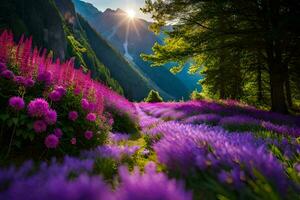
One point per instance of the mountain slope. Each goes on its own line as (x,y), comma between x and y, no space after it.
(131,38)
(55,25)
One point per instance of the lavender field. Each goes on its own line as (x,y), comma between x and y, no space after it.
(66,136)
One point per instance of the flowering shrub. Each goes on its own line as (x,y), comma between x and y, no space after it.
(49,107)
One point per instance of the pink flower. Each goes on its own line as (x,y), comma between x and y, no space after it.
(51,117)
(17,103)
(38,107)
(91,117)
(55,96)
(77,91)
(2,67)
(7,74)
(85,104)
(39,126)
(29,83)
(58,132)
(20,80)
(61,90)
(51,141)
(73,115)
(73,141)
(88,135)
(45,77)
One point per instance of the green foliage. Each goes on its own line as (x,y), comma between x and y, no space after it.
(153,97)
(229,44)
(195,95)
(18,140)
(123,122)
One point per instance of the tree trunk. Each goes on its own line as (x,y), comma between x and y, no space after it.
(277,81)
(288,92)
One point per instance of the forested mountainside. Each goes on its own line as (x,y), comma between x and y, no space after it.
(131,37)
(55,25)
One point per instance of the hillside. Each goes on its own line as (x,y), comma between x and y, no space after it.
(131,38)
(68,36)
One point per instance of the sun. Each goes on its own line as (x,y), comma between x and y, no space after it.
(131,13)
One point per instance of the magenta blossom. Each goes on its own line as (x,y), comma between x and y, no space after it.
(39,126)
(7,74)
(51,117)
(38,107)
(88,135)
(73,141)
(58,132)
(17,103)
(91,117)
(2,67)
(55,96)
(73,115)
(45,77)
(61,90)
(85,104)
(51,141)
(20,80)
(29,83)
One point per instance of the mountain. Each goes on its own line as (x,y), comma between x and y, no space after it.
(131,37)
(55,25)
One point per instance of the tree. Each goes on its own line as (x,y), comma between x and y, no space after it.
(222,34)
(153,97)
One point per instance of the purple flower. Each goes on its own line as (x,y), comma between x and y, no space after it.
(29,83)
(73,141)
(7,74)
(88,135)
(61,90)
(91,117)
(20,80)
(50,117)
(2,67)
(38,107)
(55,96)
(73,115)
(51,141)
(85,104)
(45,77)
(149,186)
(225,177)
(58,132)
(39,126)
(17,103)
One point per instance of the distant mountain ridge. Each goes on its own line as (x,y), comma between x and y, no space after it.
(131,38)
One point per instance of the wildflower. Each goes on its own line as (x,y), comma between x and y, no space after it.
(20,80)
(73,115)
(73,141)
(58,132)
(88,135)
(39,126)
(91,117)
(51,117)
(45,77)
(17,103)
(55,96)
(62,91)
(2,67)
(7,74)
(38,107)
(29,82)
(85,104)
(51,141)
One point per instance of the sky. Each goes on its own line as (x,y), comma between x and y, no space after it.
(123,4)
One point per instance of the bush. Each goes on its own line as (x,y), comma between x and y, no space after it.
(153,97)
(195,95)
